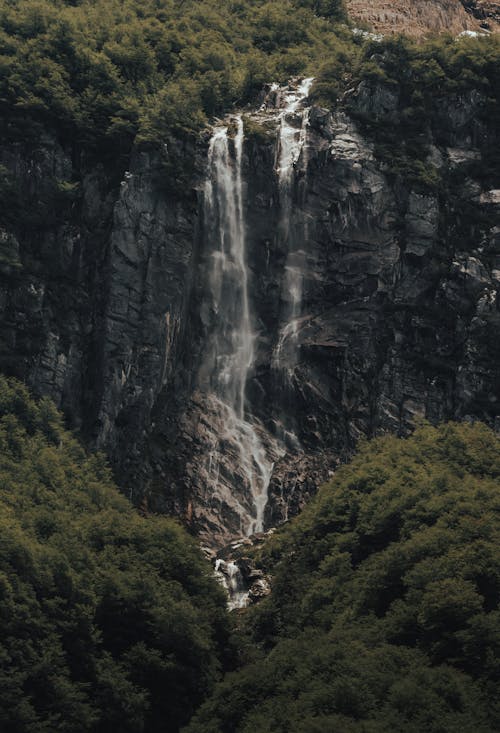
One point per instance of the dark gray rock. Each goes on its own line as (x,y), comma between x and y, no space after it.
(101,305)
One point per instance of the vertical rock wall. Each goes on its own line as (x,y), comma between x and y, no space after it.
(102,303)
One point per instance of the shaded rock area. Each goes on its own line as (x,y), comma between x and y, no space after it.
(102,284)
(296,478)
(53,261)
(487,12)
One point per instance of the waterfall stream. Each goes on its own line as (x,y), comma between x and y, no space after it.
(229,576)
(292,137)
(230,353)
(240,454)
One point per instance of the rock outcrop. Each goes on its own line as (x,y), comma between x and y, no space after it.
(102,302)
(487,12)
(414,17)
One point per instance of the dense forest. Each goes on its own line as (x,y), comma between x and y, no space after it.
(384,611)
(383,614)
(108,72)
(110,621)
(111,70)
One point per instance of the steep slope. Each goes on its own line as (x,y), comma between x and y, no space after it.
(384,614)
(397,270)
(99,234)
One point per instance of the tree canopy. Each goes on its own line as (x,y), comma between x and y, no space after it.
(110,70)
(384,614)
(109,621)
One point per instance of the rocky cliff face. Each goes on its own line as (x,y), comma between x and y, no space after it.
(54,244)
(103,303)
(487,12)
(96,288)
(400,292)
(427,17)
(414,17)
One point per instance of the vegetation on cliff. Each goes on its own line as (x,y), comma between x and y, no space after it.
(108,71)
(413,94)
(100,76)
(384,614)
(108,621)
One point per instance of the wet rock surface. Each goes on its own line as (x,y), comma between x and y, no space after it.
(245,583)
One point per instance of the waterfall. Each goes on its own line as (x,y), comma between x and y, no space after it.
(293,232)
(230,354)
(233,340)
(229,576)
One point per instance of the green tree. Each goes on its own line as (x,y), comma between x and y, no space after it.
(384,613)
(108,620)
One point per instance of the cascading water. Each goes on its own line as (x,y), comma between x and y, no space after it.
(238,453)
(229,576)
(233,456)
(230,354)
(292,137)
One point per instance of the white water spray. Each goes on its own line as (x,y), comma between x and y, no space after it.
(230,355)
(229,576)
(292,138)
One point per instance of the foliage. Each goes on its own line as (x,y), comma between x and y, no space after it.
(433,88)
(101,73)
(109,621)
(385,607)
(260,133)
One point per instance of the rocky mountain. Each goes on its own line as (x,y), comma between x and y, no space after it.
(426,17)
(251,251)
(108,309)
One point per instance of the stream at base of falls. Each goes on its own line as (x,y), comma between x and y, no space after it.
(230,576)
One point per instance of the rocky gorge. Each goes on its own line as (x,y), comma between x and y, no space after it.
(393,317)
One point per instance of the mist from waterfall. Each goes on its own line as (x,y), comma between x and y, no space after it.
(292,138)
(230,354)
